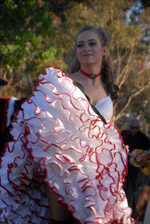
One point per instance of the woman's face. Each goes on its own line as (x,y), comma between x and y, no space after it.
(89,49)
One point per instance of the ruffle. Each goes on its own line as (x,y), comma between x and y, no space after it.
(60,141)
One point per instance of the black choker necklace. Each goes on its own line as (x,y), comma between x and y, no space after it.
(91,76)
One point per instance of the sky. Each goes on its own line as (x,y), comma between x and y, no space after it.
(137,8)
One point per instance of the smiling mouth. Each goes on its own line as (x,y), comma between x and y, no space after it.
(87,55)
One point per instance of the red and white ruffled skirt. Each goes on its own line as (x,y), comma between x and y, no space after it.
(60,141)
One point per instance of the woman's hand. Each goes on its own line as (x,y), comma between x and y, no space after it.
(127,148)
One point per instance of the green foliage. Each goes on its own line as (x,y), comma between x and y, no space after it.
(128,48)
(37,33)
(26,27)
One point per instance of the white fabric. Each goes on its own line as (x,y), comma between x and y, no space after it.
(10,110)
(105,107)
(58,139)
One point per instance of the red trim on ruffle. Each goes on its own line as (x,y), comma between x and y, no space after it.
(88,152)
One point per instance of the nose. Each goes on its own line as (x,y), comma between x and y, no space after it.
(86,47)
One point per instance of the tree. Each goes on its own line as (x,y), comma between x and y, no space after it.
(145,3)
(34,40)
(25,28)
(129,49)
(137,95)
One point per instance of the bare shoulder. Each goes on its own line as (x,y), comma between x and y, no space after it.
(74,76)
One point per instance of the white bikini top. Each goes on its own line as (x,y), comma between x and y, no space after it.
(105,107)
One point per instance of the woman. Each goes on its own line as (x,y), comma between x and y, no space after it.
(66,142)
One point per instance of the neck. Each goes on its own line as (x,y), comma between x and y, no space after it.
(90,75)
(91,69)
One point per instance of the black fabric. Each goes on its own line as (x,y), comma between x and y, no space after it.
(52,221)
(4,131)
(3,82)
(2,107)
(5,135)
(138,141)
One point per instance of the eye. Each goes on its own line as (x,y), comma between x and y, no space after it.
(80,45)
(92,43)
